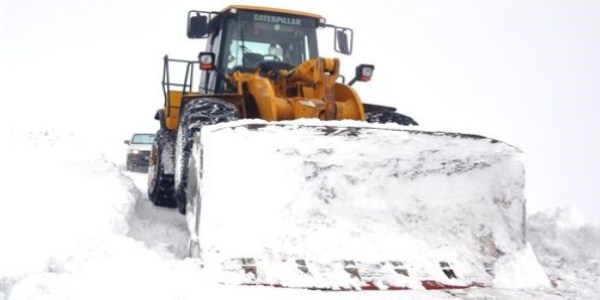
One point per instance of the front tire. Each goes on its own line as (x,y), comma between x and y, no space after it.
(195,114)
(390,117)
(161,190)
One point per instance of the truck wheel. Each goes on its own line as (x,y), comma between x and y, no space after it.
(390,117)
(161,189)
(195,114)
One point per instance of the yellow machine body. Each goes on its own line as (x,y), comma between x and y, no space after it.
(310,90)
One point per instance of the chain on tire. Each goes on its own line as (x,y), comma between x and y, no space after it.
(195,114)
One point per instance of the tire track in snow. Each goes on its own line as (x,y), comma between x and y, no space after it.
(161,229)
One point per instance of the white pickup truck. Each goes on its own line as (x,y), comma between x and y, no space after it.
(138,151)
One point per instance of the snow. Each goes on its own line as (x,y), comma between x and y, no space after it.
(369,195)
(520,270)
(59,191)
(74,225)
(569,250)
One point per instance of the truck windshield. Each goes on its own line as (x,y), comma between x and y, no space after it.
(142,139)
(258,37)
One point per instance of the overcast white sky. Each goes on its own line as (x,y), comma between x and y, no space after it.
(526,72)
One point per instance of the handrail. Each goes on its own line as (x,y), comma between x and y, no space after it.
(188,81)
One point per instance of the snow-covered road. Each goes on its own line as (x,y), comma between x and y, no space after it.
(74,225)
(161,229)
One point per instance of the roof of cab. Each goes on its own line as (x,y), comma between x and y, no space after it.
(274,10)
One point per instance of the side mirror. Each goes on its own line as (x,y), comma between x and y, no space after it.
(343,40)
(197,26)
(126,142)
(363,73)
(207,61)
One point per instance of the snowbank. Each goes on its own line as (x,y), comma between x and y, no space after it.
(67,217)
(569,250)
(59,193)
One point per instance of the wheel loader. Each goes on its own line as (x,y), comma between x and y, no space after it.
(288,179)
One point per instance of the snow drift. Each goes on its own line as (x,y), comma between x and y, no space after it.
(569,250)
(66,210)
(61,197)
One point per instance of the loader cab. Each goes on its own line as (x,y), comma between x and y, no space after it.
(244,38)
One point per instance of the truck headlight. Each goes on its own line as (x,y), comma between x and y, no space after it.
(134,151)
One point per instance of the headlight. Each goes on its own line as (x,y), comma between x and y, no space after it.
(134,151)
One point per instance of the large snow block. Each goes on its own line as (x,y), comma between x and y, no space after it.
(334,192)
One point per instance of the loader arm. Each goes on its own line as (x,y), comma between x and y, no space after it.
(309,90)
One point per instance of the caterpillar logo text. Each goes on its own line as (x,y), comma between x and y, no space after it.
(277,19)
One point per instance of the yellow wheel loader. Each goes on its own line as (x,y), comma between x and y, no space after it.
(288,179)
(260,63)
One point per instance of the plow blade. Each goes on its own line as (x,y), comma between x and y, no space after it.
(341,206)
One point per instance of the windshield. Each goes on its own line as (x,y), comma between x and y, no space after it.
(257,37)
(142,139)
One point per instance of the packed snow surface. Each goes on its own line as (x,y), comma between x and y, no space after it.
(74,225)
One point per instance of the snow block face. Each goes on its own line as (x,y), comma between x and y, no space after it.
(305,203)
